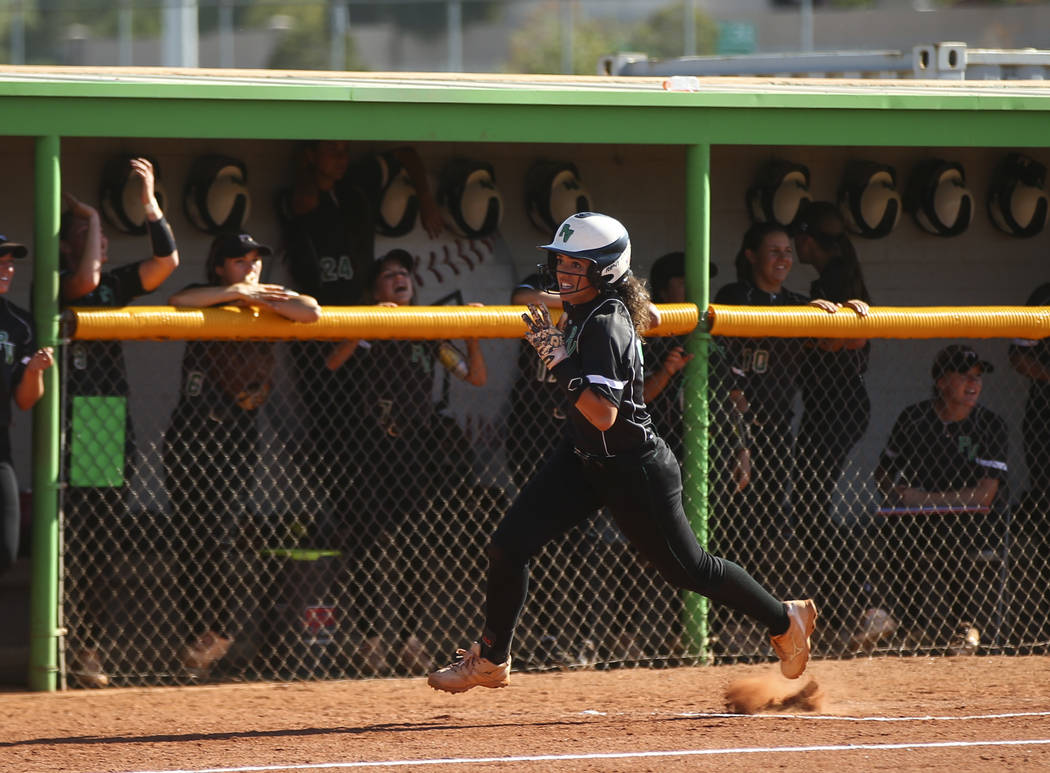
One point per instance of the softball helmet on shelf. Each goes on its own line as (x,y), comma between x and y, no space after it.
(1017,200)
(470,202)
(553,191)
(868,199)
(938,199)
(216,196)
(778,192)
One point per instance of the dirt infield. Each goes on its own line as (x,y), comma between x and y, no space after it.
(930,714)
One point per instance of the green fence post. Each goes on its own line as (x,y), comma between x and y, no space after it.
(695,414)
(44,601)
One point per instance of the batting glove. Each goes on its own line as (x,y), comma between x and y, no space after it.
(546,338)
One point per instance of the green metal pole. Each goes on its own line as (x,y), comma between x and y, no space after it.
(43,617)
(695,414)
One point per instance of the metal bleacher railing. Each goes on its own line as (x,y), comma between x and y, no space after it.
(936,61)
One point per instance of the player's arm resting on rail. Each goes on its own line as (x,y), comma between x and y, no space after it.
(836,344)
(165,260)
(88,272)
(281,300)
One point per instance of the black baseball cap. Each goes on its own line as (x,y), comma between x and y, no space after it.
(231,245)
(236,245)
(404,257)
(14,249)
(820,219)
(958,359)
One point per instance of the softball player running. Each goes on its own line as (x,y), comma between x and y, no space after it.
(611,457)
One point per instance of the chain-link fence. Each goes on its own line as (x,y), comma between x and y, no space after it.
(276,518)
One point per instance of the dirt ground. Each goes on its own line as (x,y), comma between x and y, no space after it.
(892,714)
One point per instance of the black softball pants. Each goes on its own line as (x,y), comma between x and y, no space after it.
(643,492)
(10,512)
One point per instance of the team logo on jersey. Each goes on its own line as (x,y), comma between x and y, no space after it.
(571,338)
(967,448)
(8,346)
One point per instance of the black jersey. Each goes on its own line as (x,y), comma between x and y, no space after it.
(937,456)
(1039,392)
(602,339)
(667,407)
(839,283)
(224,379)
(766,370)
(394,383)
(97,367)
(330,248)
(17,346)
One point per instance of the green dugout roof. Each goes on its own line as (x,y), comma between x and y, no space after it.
(266,104)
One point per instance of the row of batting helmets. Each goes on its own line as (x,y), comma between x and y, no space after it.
(215,197)
(936,196)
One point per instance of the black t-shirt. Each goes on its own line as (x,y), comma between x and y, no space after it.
(225,379)
(667,407)
(838,284)
(766,370)
(1039,392)
(97,367)
(330,248)
(17,346)
(601,338)
(394,382)
(936,456)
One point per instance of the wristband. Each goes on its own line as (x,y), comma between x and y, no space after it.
(161,237)
(570,379)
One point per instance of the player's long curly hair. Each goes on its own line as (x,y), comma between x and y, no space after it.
(634,295)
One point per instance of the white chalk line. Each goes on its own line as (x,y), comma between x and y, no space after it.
(842,718)
(615,756)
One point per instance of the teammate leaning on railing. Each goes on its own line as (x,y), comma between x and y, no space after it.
(408,451)
(612,457)
(211,446)
(836,408)
(762,377)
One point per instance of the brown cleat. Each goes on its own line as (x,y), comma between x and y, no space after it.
(86,667)
(199,656)
(792,646)
(471,670)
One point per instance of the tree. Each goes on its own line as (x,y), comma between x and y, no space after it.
(536,47)
(662,35)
